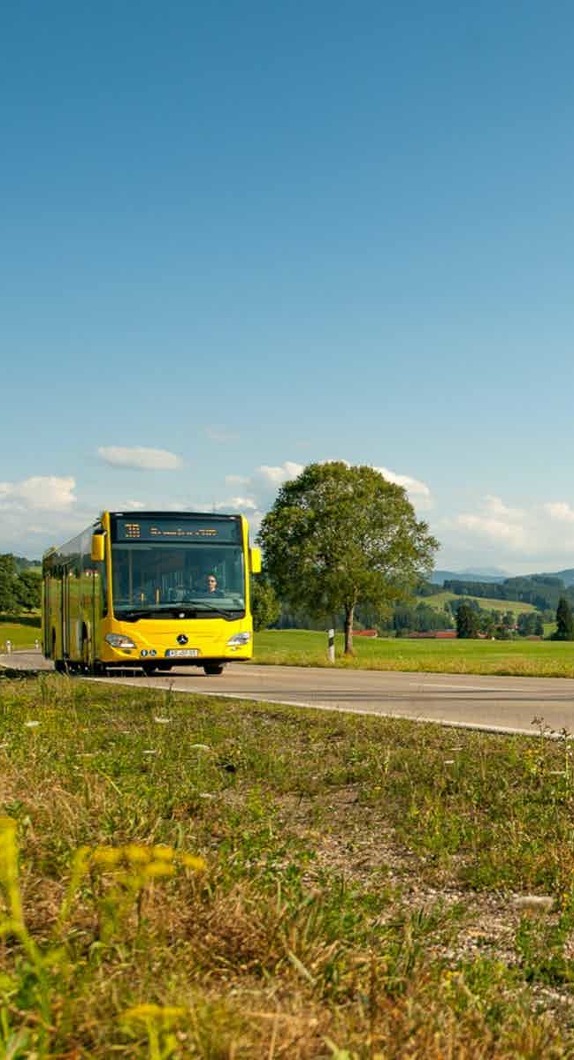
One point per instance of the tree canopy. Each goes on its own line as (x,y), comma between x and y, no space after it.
(19,589)
(340,535)
(264,603)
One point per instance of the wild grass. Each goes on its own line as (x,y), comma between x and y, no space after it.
(192,877)
(537,658)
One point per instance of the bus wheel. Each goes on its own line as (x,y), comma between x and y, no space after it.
(213,668)
(60,666)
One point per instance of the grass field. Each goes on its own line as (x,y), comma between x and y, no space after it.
(529,658)
(22,633)
(192,877)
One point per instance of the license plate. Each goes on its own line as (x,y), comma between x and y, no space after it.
(182,652)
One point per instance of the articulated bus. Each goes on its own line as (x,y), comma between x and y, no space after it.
(150,590)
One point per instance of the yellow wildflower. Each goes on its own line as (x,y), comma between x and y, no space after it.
(137,854)
(147,1013)
(162,852)
(158,869)
(191,861)
(8,851)
(106,857)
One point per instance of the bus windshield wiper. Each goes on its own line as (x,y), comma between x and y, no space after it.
(225,612)
(131,614)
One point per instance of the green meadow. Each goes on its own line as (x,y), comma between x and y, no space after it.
(187,876)
(529,658)
(438,600)
(22,633)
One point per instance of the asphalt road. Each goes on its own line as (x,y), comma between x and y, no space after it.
(503,704)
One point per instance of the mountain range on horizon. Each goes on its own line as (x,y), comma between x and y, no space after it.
(438,577)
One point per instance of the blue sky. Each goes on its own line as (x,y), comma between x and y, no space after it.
(244,236)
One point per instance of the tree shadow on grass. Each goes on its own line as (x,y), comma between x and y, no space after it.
(21,620)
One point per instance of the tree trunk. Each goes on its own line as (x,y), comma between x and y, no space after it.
(349,616)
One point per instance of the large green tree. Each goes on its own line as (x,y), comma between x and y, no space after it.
(337,536)
(8,598)
(29,589)
(20,586)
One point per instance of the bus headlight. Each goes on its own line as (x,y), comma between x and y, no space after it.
(119,640)
(238,640)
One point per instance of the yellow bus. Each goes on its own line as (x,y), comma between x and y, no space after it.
(150,590)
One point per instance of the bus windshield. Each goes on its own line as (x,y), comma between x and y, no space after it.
(149,579)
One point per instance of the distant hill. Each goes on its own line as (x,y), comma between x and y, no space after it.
(566,575)
(439,577)
(542,590)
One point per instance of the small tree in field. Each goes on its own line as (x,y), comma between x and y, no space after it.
(467,621)
(564,621)
(337,536)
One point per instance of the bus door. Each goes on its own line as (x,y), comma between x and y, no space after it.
(96,601)
(65,611)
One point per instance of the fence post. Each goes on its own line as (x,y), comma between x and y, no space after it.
(331,645)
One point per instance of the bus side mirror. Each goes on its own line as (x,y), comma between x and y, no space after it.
(255,560)
(97,553)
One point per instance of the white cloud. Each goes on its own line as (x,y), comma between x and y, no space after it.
(496,522)
(138,456)
(527,539)
(493,529)
(560,511)
(278,475)
(496,507)
(419,493)
(133,506)
(238,504)
(38,511)
(40,492)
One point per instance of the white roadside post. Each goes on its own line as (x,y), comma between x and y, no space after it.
(8,647)
(331,645)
